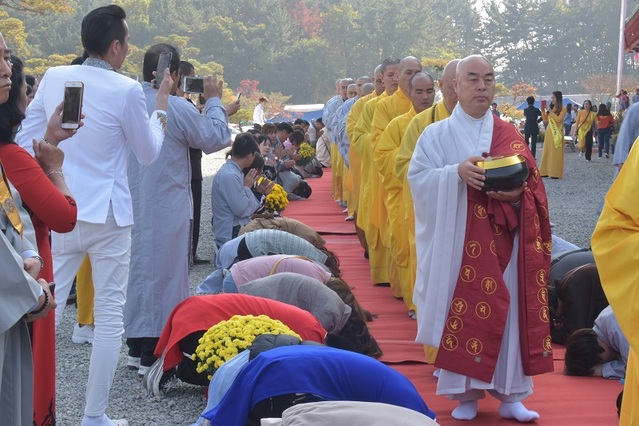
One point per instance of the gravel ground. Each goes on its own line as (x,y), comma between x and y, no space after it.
(574,205)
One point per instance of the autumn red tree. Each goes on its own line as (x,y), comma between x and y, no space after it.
(308,20)
(522,90)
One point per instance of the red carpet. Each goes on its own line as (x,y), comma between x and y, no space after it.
(560,400)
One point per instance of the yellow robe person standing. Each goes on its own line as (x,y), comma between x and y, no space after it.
(552,157)
(385,110)
(377,263)
(415,128)
(584,122)
(354,158)
(614,245)
(391,189)
(337,168)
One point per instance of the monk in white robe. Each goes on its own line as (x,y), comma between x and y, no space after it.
(468,291)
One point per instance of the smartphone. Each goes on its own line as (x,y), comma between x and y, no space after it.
(163,63)
(238,96)
(543,104)
(72,105)
(193,84)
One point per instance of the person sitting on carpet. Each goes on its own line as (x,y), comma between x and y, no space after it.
(190,319)
(263,242)
(278,378)
(598,351)
(269,221)
(345,324)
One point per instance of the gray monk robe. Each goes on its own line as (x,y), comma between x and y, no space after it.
(20,295)
(162,213)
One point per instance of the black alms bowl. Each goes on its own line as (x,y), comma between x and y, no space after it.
(504,173)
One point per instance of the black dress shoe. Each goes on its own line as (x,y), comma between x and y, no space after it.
(198,261)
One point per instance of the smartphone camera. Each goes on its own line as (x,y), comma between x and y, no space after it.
(163,63)
(193,84)
(72,105)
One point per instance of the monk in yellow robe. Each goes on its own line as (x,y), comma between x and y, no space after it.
(385,110)
(614,245)
(421,90)
(417,125)
(346,184)
(343,143)
(378,262)
(354,158)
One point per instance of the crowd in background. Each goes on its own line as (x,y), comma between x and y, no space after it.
(112,192)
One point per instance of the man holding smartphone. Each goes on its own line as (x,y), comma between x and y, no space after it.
(159,277)
(95,169)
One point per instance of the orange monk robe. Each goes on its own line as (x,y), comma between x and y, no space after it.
(377,261)
(391,189)
(405,152)
(354,159)
(614,245)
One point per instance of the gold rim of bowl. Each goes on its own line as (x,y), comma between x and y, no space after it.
(496,163)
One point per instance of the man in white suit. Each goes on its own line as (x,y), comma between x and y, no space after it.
(95,169)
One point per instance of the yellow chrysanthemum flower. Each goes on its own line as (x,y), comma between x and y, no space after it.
(226,339)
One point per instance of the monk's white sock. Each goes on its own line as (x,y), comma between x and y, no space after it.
(467,410)
(517,411)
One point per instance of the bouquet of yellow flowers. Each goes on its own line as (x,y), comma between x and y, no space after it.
(306,152)
(228,338)
(277,199)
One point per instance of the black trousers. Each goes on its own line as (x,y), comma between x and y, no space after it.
(531,139)
(196,190)
(143,348)
(187,370)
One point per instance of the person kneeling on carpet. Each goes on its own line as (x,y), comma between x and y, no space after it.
(344,322)
(263,242)
(598,351)
(287,224)
(281,377)
(191,318)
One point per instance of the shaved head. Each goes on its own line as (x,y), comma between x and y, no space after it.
(447,84)
(362,81)
(343,87)
(351,90)
(422,91)
(475,85)
(408,67)
(367,88)
(379,80)
(464,63)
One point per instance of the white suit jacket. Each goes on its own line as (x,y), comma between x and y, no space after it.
(95,163)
